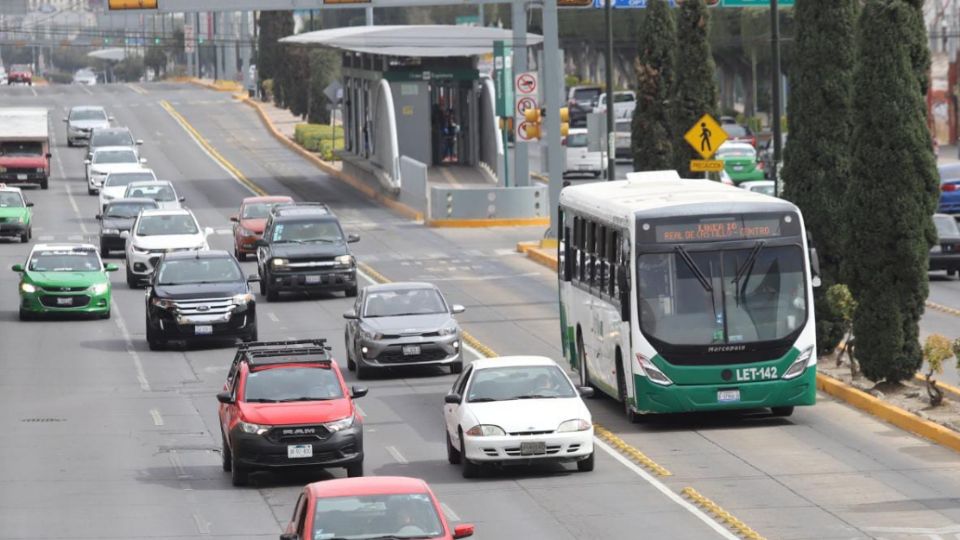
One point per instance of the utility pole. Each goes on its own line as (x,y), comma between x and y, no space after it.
(775,56)
(551,97)
(611,138)
(521,156)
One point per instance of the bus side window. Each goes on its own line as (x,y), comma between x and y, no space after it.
(592,250)
(577,248)
(603,264)
(563,248)
(613,256)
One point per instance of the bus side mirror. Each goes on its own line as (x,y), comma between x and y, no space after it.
(623,285)
(814,262)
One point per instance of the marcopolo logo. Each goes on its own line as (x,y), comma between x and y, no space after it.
(726,348)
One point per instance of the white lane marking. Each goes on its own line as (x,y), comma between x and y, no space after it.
(75,238)
(661,487)
(34,90)
(451,515)
(203,526)
(177,465)
(949,529)
(85,89)
(273,316)
(46,238)
(76,209)
(137,363)
(157,419)
(392,450)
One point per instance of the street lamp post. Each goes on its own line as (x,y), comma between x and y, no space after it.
(611,141)
(775,56)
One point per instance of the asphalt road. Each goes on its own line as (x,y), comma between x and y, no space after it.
(104,439)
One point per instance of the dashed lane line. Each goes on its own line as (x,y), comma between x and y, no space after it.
(157,418)
(397,456)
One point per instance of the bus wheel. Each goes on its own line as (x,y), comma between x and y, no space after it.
(782,411)
(622,395)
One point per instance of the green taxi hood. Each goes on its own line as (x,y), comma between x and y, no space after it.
(15,212)
(65,279)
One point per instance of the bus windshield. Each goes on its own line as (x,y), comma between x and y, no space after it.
(722,296)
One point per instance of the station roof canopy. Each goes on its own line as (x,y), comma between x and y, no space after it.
(115,54)
(411,40)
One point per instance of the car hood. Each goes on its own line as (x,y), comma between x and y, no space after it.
(201,290)
(170,241)
(105,168)
(89,124)
(14,212)
(65,279)
(23,162)
(295,412)
(114,191)
(255,225)
(123,224)
(303,251)
(412,324)
(530,414)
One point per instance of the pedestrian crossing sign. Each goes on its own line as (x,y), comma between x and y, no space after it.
(706,136)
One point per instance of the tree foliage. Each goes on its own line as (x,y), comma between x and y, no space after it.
(817,160)
(156,60)
(889,206)
(272,62)
(936,350)
(651,138)
(694,87)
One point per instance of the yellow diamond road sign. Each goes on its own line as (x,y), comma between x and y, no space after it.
(706,136)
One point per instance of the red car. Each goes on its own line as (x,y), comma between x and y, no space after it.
(285,404)
(375,507)
(249,222)
(20,73)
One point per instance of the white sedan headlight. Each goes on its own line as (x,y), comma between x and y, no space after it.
(486,430)
(577,424)
(139,250)
(242,298)
(339,425)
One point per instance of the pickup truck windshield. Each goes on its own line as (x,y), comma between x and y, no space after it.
(14,148)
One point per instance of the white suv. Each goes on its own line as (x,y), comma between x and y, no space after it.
(156,232)
(117,181)
(106,160)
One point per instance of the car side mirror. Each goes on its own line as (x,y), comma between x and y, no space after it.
(585,391)
(814,262)
(87,162)
(253,278)
(463,530)
(453,398)
(207,231)
(353,238)
(139,142)
(225,397)
(110,119)
(351,314)
(125,234)
(111,267)
(358,392)
(143,160)
(65,119)
(49,155)
(29,205)
(98,217)
(182,199)
(457,308)
(289,536)
(17,268)
(235,219)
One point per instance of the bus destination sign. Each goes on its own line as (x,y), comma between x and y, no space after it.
(713,229)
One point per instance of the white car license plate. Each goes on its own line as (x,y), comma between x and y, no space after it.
(313,279)
(21,177)
(295,451)
(411,350)
(65,301)
(203,329)
(533,448)
(728,396)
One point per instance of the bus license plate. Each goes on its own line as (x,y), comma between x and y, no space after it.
(295,451)
(65,301)
(203,329)
(533,448)
(728,396)
(411,350)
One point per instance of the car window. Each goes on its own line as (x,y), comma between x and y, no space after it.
(326,231)
(623,127)
(207,270)
(623,98)
(157,192)
(406,515)
(736,151)
(292,384)
(21,148)
(115,156)
(946,226)
(112,138)
(256,210)
(10,199)
(461,382)
(519,382)
(735,130)
(394,303)
(64,261)
(122,210)
(123,179)
(950,172)
(586,94)
(577,140)
(167,224)
(87,114)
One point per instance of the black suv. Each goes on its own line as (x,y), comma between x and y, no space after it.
(118,216)
(304,249)
(199,295)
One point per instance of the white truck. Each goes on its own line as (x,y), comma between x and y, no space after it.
(24,146)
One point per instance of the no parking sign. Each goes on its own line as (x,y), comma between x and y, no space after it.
(527,91)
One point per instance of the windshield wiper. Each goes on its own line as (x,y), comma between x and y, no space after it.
(304,398)
(482,400)
(697,273)
(535,396)
(262,400)
(325,240)
(745,270)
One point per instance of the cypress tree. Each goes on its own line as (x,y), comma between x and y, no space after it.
(890,227)
(272,55)
(651,139)
(694,86)
(817,160)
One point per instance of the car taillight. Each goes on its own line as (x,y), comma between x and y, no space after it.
(948,187)
(563,141)
(760,165)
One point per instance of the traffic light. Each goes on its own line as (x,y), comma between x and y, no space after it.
(156,41)
(106,41)
(533,117)
(564,121)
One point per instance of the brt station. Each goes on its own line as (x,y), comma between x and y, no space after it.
(419,119)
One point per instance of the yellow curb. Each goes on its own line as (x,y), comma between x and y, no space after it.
(523,247)
(540,178)
(629,451)
(218,85)
(948,388)
(353,182)
(213,151)
(721,515)
(543,258)
(943,309)
(901,418)
(493,222)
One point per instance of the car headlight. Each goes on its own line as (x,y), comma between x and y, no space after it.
(344,260)
(28,288)
(799,365)
(257,429)
(100,288)
(339,425)
(139,250)
(247,233)
(41,169)
(577,424)
(20,219)
(936,249)
(366,333)
(108,197)
(448,330)
(277,263)
(244,298)
(111,231)
(486,430)
(163,303)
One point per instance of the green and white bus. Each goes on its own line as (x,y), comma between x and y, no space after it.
(687,295)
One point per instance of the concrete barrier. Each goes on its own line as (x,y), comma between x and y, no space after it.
(413,189)
(450,205)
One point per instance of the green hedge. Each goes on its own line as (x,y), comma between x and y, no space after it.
(319,138)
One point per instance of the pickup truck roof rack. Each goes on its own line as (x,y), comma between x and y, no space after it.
(259,353)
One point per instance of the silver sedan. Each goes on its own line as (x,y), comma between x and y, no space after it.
(402,324)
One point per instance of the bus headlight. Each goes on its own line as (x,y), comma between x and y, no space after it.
(653,372)
(799,365)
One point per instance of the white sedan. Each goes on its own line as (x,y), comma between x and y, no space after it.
(517,409)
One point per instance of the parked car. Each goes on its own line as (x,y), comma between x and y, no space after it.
(402,324)
(739,161)
(116,219)
(106,160)
(285,405)
(949,189)
(579,159)
(16,218)
(156,232)
(20,74)
(249,222)
(624,139)
(766,187)
(738,133)
(82,120)
(946,254)
(199,295)
(624,103)
(64,279)
(161,191)
(517,410)
(377,507)
(303,249)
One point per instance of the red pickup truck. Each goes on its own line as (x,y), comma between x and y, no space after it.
(24,146)
(20,73)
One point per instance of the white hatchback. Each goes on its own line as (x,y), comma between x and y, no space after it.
(156,232)
(107,159)
(117,181)
(579,159)
(161,191)
(517,410)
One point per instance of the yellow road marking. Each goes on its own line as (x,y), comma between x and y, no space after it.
(626,449)
(138,89)
(720,514)
(943,309)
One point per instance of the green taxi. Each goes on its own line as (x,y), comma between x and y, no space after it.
(64,279)
(15,214)
(739,162)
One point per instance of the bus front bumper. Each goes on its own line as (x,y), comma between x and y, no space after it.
(653,398)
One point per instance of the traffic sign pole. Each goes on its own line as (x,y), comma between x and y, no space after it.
(521,156)
(611,125)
